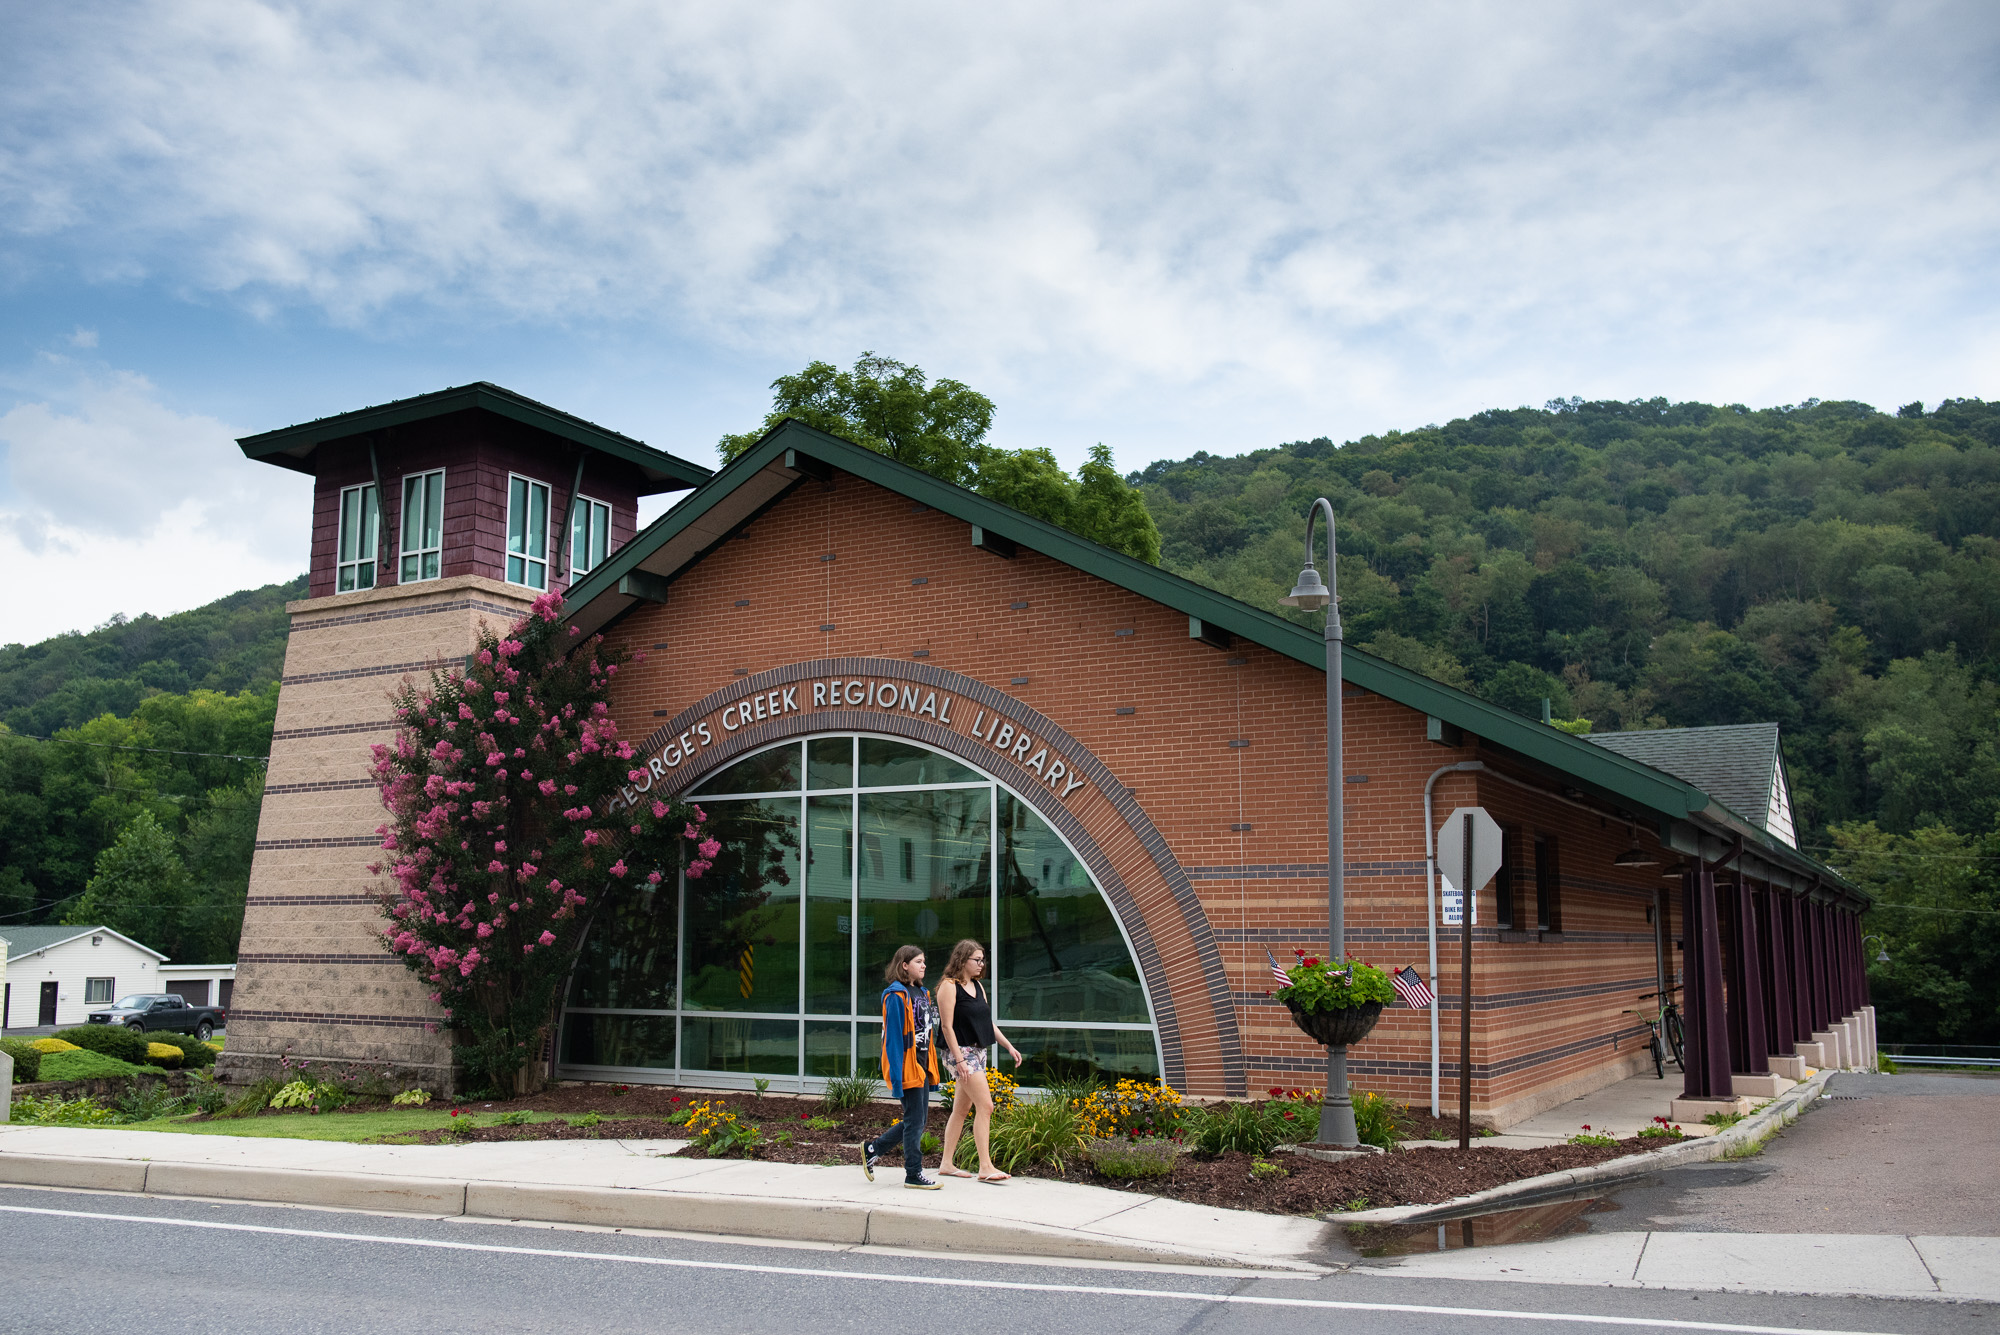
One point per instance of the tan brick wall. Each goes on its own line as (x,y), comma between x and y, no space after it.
(312,978)
(1545,1012)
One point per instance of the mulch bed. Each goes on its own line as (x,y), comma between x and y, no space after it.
(1304,1186)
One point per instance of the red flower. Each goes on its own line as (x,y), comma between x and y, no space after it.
(1276,1092)
(454,1112)
(1586,1126)
(1310,961)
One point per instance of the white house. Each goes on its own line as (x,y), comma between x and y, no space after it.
(56,974)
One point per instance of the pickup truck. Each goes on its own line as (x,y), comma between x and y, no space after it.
(163,1010)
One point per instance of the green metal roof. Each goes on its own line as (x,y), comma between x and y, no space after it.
(293,446)
(681,536)
(27,940)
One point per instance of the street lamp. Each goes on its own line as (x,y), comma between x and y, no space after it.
(1881,951)
(1336,1112)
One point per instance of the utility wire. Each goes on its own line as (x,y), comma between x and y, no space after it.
(156,750)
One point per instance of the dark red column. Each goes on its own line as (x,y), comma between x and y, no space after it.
(1707,1022)
(1750,1052)
(1777,976)
(1795,947)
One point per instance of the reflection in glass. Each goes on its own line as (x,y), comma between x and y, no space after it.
(1062,956)
(829,905)
(757,1047)
(830,762)
(892,764)
(1051,1055)
(826,1048)
(627,961)
(772,771)
(921,873)
(618,1040)
(743,916)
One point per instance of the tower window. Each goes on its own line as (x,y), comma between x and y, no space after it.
(527,532)
(423,526)
(359,524)
(589,535)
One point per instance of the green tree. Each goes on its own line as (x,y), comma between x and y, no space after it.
(140,888)
(1108,511)
(886,406)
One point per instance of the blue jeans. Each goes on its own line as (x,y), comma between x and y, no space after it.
(916,1111)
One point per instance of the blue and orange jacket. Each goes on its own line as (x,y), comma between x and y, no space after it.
(909,1050)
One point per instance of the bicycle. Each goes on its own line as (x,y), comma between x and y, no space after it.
(1667,1022)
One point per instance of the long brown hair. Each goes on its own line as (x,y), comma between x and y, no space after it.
(961,953)
(899,962)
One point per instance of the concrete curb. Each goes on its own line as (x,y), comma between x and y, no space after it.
(1779,1112)
(839,1223)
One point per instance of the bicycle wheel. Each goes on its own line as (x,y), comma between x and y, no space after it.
(1676,1041)
(1659,1060)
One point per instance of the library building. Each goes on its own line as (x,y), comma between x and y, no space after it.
(915,715)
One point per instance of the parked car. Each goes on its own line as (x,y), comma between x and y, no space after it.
(163,1010)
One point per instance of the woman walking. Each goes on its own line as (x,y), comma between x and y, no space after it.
(967,1013)
(909,1066)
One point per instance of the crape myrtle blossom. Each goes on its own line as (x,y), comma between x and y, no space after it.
(491,876)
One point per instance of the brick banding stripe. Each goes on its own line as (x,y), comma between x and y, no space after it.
(378,957)
(264,901)
(1025,784)
(1301,870)
(333,841)
(362,618)
(380,670)
(1496,1001)
(321,786)
(334,730)
(329,1017)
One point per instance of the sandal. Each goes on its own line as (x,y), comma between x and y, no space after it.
(996,1179)
(953,1172)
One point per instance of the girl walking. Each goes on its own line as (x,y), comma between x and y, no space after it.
(909,1065)
(967,1014)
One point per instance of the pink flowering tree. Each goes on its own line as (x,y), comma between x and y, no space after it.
(503,834)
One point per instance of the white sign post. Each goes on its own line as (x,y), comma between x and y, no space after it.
(1469,853)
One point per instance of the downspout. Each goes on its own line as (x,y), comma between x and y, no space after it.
(569,521)
(1430,907)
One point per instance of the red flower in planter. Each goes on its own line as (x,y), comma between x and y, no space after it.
(1276,1092)
(1310,961)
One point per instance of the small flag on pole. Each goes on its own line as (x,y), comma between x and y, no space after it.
(1284,979)
(1411,988)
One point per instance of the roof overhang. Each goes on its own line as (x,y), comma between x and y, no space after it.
(792,454)
(294,446)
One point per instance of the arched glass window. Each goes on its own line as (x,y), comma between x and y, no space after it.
(835,851)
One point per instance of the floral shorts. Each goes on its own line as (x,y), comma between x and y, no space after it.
(971,1060)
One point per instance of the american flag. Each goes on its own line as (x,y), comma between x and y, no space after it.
(1410,986)
(1284,979)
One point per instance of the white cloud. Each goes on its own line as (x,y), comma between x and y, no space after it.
(117,502)
(1283,218)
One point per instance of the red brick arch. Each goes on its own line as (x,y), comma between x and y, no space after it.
(1172,940)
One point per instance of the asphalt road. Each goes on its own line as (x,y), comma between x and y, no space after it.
(84,1262)
(1913,1154)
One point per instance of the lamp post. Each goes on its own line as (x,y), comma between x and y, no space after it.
(1881,951)
(1336,1112)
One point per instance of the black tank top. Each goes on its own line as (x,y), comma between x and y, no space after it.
(972,1018)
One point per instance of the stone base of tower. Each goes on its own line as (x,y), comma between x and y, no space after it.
(313,982)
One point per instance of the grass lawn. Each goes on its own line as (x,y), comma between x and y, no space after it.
(349,1127)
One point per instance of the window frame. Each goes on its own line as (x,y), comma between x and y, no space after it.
(367,547)
(1505,890)
(428,557)
(579,562)
(529,561)
(110,991)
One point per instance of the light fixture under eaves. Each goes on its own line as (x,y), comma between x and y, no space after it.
(1635,856)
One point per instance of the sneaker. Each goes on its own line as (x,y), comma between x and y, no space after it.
(868,1162)
(921,1184)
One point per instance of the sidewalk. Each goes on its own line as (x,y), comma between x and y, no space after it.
(630,1184)
(1618,1110)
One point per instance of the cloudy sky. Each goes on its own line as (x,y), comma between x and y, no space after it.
(1165,227)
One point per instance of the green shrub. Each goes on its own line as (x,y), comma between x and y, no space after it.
(164,1055)
(148,1102)
(54,1111)
(516,1118)
(254,1099)
(205,1094)
(195,1054)
(849,1091)
(113,1040)
(1120,1157)
(1049,1131)
(1247,1128)
(411,1098)
(87,1065)
(27,1061)
(1379,1121)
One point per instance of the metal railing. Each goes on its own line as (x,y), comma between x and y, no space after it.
(1940,1054)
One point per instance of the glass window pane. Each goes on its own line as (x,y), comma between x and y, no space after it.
(433,509)
(517,514)
(887,764)
(754,1047)
(1062,956)
(743,916)
(772,771)
(430,565)
(829,907)
(868,1045)
(600,538)
(627,961)
(411,565)
(538,519)
(517,570)
(922,878)
(1075,1054)
(371,523)
(618,1040)
(367,575)
(579,537)
(346,583)
(413,514)
(827,1048)
(350,523)
(830,762)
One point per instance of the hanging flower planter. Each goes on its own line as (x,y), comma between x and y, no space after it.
(1335,1007)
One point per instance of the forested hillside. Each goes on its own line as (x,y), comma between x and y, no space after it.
(131,774)
(1827,566)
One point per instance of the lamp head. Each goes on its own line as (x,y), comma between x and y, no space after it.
(1635,857)
(1881,957)
(1311,593)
